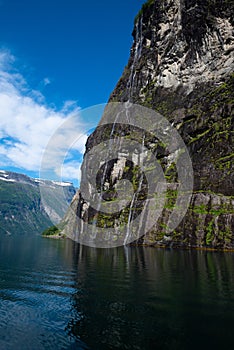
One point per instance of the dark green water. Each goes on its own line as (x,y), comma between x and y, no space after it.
(57,295)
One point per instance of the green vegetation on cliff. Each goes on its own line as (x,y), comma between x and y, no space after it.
(181,65)
(21,210)
(23,207)
(143,9)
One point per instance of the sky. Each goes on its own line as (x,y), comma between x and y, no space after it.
(57,58)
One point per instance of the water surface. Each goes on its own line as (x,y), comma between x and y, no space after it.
(58,295)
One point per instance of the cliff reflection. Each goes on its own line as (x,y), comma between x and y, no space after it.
(144,298)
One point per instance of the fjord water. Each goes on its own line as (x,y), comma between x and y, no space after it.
(55,294)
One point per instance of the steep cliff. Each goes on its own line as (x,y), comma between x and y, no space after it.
(181,65)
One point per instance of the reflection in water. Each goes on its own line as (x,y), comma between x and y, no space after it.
(59,295)
(143,298)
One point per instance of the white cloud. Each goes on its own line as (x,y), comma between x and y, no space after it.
(27,124)
(46,81)
(69,170)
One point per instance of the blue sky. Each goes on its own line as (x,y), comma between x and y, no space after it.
(56,58)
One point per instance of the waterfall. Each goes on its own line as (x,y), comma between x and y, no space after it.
(129,219)
(139,39)
(137,54)
(113,127)
(130,84)
(94,232)
(131,208)
(94,223)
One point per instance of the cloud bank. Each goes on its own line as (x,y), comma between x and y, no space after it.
(27,125)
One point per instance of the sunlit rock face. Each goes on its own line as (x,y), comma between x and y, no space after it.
(179,43)
(181,65)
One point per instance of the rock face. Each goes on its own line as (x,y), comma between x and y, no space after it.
(22,208)
(178,43)
(181,65)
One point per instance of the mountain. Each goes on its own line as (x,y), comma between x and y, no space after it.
(181,65)
(27,205)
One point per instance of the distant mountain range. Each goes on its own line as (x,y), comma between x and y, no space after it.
(30,205)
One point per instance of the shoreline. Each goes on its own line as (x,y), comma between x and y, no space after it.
(208,249)
(172,247)
(54,236)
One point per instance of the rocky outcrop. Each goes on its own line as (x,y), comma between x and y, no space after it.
(178,44)
(208,223)
(181,65)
